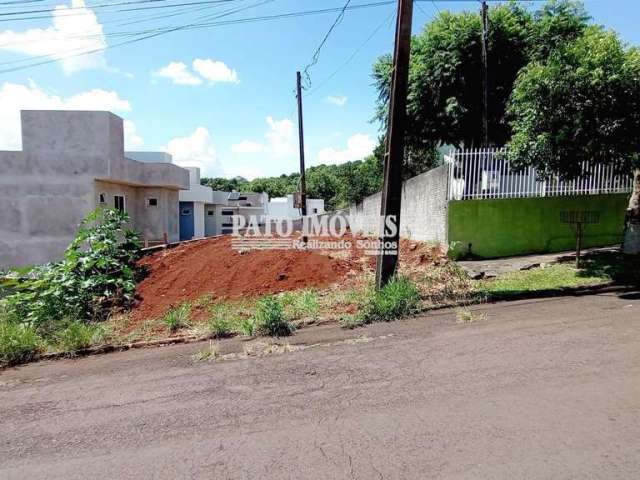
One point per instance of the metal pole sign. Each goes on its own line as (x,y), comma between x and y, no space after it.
(578,219)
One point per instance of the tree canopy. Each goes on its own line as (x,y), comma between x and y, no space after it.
(339,185)
(581,104)
(445,76)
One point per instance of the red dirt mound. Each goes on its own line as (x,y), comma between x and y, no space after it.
(211,266)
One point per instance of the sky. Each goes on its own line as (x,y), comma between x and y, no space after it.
(221,98)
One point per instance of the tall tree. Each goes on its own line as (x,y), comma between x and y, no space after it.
(582,104)
(445,83)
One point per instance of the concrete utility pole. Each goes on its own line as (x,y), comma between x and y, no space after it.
(485,74)
(303,185)
(394,152)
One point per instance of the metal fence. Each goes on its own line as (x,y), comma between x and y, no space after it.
(484,173)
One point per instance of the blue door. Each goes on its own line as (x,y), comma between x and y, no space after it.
(186,220)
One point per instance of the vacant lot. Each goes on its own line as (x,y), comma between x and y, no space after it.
(531,389)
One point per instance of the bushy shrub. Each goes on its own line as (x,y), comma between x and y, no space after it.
(97,274)
(18,343)
(177,317)
(270,318)
(396,299)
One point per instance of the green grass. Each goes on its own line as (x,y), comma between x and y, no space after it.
(223,320)
(270,318)
(18,343)
(77,335)
(301,304)
(177,317)
(548,278)
(398,298)
(248,327)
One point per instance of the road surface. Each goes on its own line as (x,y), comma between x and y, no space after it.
(536,389)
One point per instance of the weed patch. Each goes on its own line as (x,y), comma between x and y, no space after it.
(301,304)
(177,317)
(270,318)
(18,343)
(76,335)
(222,321)
(464,315)
(398,298)
(209,353)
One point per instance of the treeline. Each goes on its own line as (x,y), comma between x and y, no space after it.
(339,185)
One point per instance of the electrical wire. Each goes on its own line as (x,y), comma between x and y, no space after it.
(153,33)
(353,54)
(100,49)
(316,55)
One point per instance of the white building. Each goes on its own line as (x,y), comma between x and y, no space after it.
(192,207)
(205,212)
(282,208)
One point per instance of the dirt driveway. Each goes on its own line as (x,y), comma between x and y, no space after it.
(537,389)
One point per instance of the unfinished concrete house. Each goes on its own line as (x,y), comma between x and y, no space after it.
(72,162)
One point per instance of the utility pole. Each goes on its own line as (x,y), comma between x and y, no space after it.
(394,151)
(303,185)
(485,74)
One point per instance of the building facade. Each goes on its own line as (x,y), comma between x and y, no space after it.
(283,208)
(72,162)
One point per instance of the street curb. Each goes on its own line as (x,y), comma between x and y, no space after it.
(609,287)
(187,339)
(125,346)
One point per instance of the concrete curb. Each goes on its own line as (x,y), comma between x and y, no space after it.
(564,292)
(609,287)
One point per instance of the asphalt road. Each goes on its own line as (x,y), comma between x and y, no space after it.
(537,389)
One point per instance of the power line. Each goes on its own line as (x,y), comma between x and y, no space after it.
(233,22)
(152,33)
(89,10)
(103,5)
(353,54)
(127,42)
(316,54)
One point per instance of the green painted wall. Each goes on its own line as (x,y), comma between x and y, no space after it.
(499,228)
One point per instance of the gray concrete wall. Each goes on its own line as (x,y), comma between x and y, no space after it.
(50,186)
(424,209)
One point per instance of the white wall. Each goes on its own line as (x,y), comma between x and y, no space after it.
(282,208)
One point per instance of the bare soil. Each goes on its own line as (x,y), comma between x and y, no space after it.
(212,267)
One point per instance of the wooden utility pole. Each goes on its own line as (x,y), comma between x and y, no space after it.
(485,74)
(394,151)
(303,185)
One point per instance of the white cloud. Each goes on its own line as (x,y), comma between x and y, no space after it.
(15,97)
(178,73)
(337,100)
(131,137)
(358,147)
(211,71)
(247,146)
(279,140)
(280,137)
(195,150)
(214,71)
(72,31)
